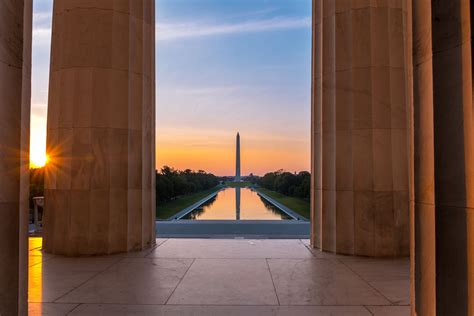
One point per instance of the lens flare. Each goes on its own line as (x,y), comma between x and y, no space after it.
(38,159)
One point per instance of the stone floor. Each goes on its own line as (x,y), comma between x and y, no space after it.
(218,277)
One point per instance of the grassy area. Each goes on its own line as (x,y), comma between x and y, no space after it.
(298,205)
(238,184)
(168,209)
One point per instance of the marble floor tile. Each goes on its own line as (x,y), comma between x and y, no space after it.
(132,281)
(33,260)
(231,248)
(47,287)
(306,242)
(226,282)
(217,277)
(143,253)
(321,254)
(36,253)
(40,252)
(397,291)
(389,276)
(49,309)
(320,282)
(79,264)
(160,241)
(35,243)
(202,310)
(51,279)
(389,310)
(317,253)
(379,269)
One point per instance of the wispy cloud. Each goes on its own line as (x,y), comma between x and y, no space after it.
(41,29)
(42,34)
(254,13)
(173,31)
(206,90)
(42,20)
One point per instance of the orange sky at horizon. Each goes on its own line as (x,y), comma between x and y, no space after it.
(215,153)
(198,152)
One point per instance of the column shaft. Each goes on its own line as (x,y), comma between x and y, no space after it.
(100,192)
(359,148)
(443,159)
(423,253)
(316,133)
(15,85)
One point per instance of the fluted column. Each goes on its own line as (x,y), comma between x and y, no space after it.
(15,92)
(443,248)
(359,138)
(99,190)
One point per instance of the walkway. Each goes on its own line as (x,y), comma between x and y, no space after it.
(218,277)
(192,207)
(249,229)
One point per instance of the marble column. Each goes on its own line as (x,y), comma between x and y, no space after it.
(359,128)
(100,183)
(443,221)
(15,95)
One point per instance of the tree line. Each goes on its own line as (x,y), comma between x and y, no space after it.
(287,183)
(172,183)
(36,183)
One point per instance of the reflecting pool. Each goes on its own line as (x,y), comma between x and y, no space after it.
(237,204)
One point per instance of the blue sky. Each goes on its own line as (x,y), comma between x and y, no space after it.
(222,66)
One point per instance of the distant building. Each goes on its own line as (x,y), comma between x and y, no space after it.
(237,160)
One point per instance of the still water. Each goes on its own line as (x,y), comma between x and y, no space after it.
(237,204)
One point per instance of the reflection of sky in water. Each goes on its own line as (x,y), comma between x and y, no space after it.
(237,203)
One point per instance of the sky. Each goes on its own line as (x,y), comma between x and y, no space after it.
(222,67)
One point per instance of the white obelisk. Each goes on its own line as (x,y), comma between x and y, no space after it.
(237,160)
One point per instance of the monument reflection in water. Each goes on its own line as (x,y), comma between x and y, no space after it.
(237,204)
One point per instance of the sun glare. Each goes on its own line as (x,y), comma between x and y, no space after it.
(38,159)
(38,156)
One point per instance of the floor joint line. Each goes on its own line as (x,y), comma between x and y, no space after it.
(88,279)
(273,282)
(184,275)
(367,282)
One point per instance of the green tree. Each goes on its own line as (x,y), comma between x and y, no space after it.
(172,183)
(291,184)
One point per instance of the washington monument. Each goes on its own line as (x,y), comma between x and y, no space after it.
(237,160)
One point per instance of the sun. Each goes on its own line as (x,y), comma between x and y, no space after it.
(38,155)
(38,159)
